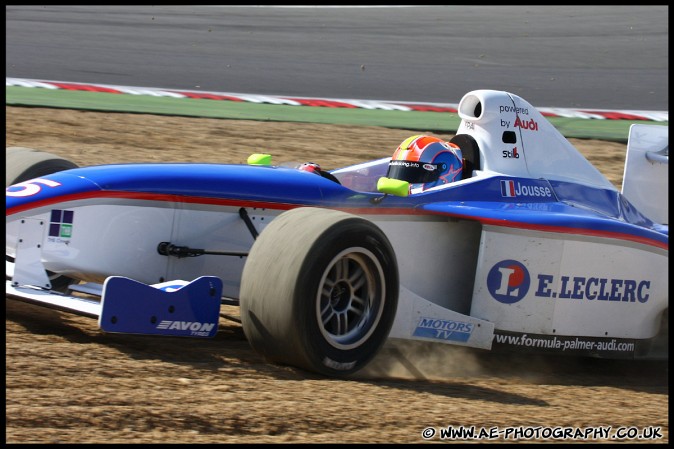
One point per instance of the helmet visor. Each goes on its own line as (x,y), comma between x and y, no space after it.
(414,172)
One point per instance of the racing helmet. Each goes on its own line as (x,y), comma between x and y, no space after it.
(310,167)
(425,162)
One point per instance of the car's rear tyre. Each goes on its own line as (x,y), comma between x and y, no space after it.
(319,291)
(26,163)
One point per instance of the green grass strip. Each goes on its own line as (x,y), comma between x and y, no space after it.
(613,130)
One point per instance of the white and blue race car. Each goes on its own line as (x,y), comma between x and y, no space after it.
(533,249)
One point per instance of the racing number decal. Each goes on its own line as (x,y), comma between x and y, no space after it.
(29,188)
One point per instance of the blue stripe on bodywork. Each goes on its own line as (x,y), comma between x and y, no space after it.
(545,204)
(544,217)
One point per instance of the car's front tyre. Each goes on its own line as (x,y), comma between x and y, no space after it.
(319,291)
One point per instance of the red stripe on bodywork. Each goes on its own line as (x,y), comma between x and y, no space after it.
(358,211)
(147,197)
(559,229)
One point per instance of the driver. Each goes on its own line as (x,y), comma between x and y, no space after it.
(425,162)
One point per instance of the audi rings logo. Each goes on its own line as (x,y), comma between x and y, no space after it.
(508,281)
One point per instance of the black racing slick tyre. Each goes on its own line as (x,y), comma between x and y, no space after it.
(319,291)
(26,163)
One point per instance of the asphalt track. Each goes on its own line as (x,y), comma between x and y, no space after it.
(602,57)
(561,56)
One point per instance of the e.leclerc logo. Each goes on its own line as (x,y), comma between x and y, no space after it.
(508,281)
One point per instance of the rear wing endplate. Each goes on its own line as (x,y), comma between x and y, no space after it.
(646,175)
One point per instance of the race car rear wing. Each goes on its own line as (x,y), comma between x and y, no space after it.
(646,176)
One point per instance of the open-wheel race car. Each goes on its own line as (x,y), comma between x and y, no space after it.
(530,248)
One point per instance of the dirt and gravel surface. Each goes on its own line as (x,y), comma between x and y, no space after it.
(66,382)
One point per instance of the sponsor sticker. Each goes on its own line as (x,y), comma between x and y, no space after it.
(569,344)
(61,224)
(439,329)
(508,281)
(530,124)
(192,328)
(518,189)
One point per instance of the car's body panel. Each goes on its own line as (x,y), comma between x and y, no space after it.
(535,241)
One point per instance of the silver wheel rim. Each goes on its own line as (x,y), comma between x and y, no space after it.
(351,298)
